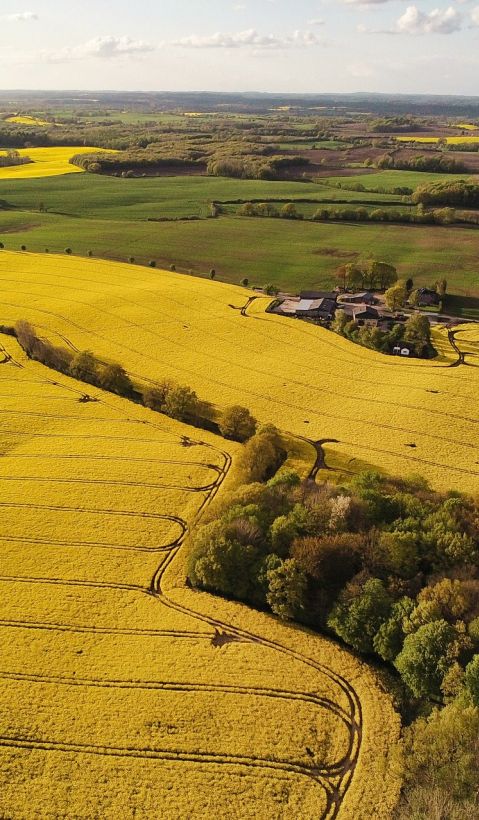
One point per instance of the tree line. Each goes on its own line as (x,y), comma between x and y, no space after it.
(413,216)
(177,401)
(463,193)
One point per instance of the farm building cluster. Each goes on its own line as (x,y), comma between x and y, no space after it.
(366,308)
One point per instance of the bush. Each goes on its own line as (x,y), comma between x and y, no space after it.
(114,378)
(263,454)
(152,263)
(425,658)
(68,251)
(181,403)
(85,367)
(237,423)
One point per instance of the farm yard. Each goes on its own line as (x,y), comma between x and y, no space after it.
(401,417)
(114,674)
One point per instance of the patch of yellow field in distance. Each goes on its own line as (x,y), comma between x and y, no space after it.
(449,140)
(47,162)
(467,126)
(25,120)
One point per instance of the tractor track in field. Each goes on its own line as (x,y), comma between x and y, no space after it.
(219,759)
(190,686)
(334,780)
(59,542)
(145,485)
(105,630)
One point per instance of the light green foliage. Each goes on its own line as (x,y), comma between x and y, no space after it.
(286,589)
(424,659)
(440,765)
(472,679)
(357,620)
(389,638)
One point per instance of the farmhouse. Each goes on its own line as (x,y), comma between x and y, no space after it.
(322,309)
(310,304)
(363,314)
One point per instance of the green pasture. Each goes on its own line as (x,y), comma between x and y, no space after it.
(106,197)
(388,180)
(292,254)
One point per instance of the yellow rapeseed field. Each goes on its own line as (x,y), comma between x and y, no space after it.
(400,416)
(448,140)
(25,120)
(47,162)
(122,692)
(467,126)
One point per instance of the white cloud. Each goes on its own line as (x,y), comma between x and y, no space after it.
(317,21)
(437,21)
(366,2)
(248,39)
(475,16)
(107,47)
(20,17)
(415,21)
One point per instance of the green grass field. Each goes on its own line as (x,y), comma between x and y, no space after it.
(116,198)
(388,180)
(291,254)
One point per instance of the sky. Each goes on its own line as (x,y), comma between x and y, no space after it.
(392,46)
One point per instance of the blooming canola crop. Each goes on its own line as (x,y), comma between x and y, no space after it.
(47,162)
(121,690)
(401,416)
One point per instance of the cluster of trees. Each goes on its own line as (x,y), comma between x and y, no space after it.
(437,163)
(370,274)
(393,125)
(387,566)
(269,209)
(418,216)
(12,158)
(461,193)
(416,331)
(177,401)
(242,159)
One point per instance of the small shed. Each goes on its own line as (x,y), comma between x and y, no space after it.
(428,297)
